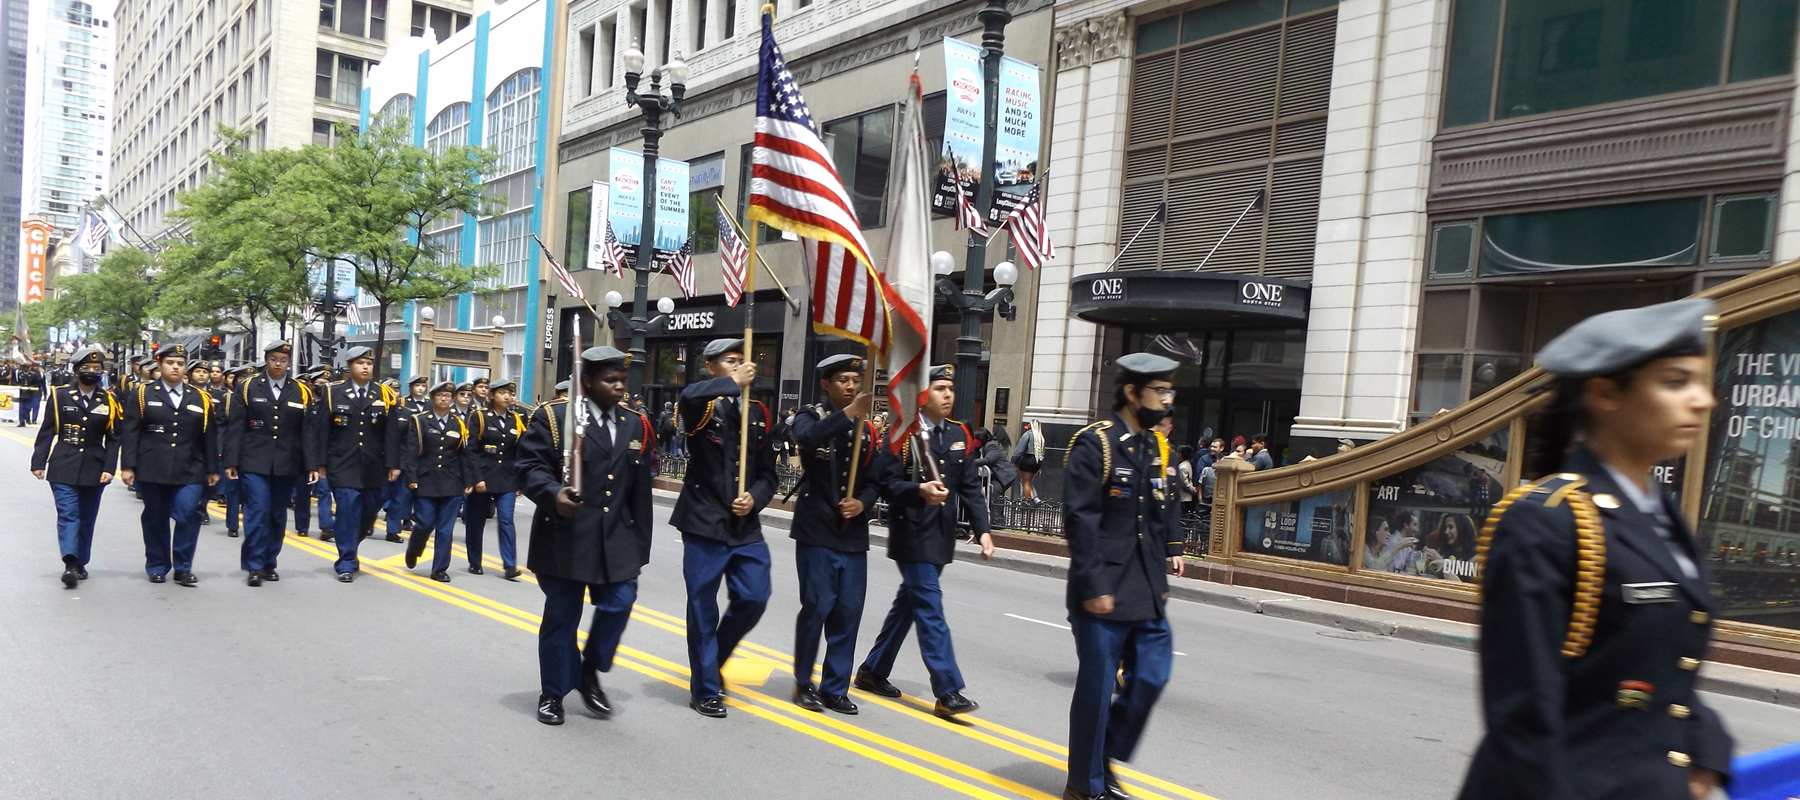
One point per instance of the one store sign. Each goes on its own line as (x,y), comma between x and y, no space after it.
(1256,293)
(1107,289)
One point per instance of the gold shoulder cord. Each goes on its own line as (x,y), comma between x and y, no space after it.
(1099,429)
(1590,558)
(550,417)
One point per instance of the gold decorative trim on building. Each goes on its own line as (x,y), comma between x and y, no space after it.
(1091,41)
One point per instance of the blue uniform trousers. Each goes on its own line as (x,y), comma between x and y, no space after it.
(233,492)
(399,504)
(832,587)
(303,495)
(265,517)
(711,638)
(501,505)
(559,661)
(920,602)
(1103,725)
(162,502)
(350,503)
(76,508)
(437,515)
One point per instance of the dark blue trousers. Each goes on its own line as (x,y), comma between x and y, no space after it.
(559,661)
(399,504)
(1104,725)
(711,638)
(832,587)
(349,504)
(920,602)
(437,515)
(303,495)
(163,502)
(502,505)
(233,492)
(265,517)
(76,508)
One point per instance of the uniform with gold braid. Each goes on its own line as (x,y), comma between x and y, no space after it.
(76,444)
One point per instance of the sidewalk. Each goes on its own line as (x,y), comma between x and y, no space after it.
(1728,679)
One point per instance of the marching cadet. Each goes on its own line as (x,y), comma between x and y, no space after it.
(400,498)
(270,438)
(361,440)
(439,464)
(497,455)
(923,510)
(77,450)
(562,390)
(226,490)
(593,543)
(721,533)
(416,399)
(465,400)
(1124,537)
(168,433)
(831,532)
(304,494)
(479,388)
(1595,607)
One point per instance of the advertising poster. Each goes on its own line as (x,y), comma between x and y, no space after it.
(1749,529)
(963,112)
(626,200)
(1314,529)
(1423,522)
(32,271)
(671,204)
(599,200)
(1016,149)
(343,283)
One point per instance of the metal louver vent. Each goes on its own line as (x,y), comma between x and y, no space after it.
(1306,66)
(1293,219)
(1201,208)
(1152,98)
(1140,203)
(1228,83)
(1252,145)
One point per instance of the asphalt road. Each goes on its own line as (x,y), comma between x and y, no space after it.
(397,686)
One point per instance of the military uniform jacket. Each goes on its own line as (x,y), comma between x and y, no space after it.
(608,538)
(439,455)
(77,439)
(416,404)
(1120,525)
(497,450)
(709,416)
(919,532)
(271,434)
(1623,719)
(166,442)
(824,437)
(360,438)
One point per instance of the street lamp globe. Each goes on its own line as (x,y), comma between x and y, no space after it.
(677,70)
(1005,274)
(665,305)
(499,321)
(614,299)
(633,60)
(942,263)
(427,313)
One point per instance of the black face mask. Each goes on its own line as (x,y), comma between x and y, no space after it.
(1148,417)
(88,378)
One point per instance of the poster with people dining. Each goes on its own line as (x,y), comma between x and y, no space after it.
(1423,522)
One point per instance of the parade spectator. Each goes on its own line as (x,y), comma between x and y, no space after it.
(1028,456)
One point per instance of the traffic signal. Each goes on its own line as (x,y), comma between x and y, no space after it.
(214,348)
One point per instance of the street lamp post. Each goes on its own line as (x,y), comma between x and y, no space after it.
(971,300)
(654,105)
(638,326)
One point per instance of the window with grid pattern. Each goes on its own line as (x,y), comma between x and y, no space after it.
(512,117)
(399,109)
(502,244)
(445,245)
(448,129)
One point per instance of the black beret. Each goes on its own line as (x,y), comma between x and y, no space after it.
(1609,343)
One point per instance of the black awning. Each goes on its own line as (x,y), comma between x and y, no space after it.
(1186,301)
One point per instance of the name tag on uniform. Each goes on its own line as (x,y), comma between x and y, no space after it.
(296,404)
(1123,472)
(453,434)
(259,399)
(379,404)
(635,445)
(101,411)
(1660,592)
(157,403)
(957,445)
(192,409)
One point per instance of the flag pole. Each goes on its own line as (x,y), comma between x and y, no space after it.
(868,385)
(749,350)
(737,228)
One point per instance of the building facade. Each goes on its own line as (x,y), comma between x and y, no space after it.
(15,29)
(68,99)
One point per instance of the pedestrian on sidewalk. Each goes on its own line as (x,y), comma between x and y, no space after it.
(1596,607)
(170,437)
(1124,538)
(1028,456)
(77,451)
(270,433)
(438,463)
(497,458)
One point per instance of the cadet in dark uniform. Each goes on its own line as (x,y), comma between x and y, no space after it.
(270,446)
(497,455)
(77,450)
(1124,536)
(416,398)
(397,500)
(721,534)
(168,433)
(438,462)
(922,540)
(1595,610)
(479,387)
(362,451)
(594,544)
(465,400)
(831,532)
(225,492)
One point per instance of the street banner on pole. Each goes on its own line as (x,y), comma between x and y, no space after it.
(626,203)
(1016,149)
(962,122)
(598,204)
(31,273)
(626,211)
(671,205)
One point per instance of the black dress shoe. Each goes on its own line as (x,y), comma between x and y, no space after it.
(231,533)
(185,578)
(270,575)
(592,695)
(301,534)
(346,577)
(842,704)
(158,577)
(1114,790)
(368,532)
(205,519)
(954,703)
(412,558)
(549,709)
(513,573)
(325,535)
(1070,793)
(807,697)
(71,576)
(475,569)
(869,682)
(82,573)
(255,578)
(708,707)
(395,538)
(441,577)
(406,526)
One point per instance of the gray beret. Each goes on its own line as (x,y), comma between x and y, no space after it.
(604,356)
(283,348)
(1609,343)
(1146,367)
(562,386)
(87,355)
(465,386)
(506,385)
(843,362)
(170,350)
(355,353)
(719,347)
(417,381)
(446,386)
(941,372)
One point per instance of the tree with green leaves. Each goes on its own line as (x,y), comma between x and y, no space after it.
(114,299)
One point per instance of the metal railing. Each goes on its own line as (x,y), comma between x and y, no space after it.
(674,467)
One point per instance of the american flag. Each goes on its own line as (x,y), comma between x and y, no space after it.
(93,232)
(562,275)
(308,313)
(614,255)
(967,216)
(1030,234)
(847,300)
(681,265)
(734,256)
(352,314)
(793,185)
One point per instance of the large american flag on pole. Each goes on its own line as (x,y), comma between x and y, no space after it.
(847,299)
(1030,234)
(614,254)
(734,257)
(562,275)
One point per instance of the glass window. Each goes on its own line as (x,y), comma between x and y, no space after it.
(1440,383)
(575,246)
(1743,228)
(328,13)
(324,71)
(1157,35)
(703,219)
(450,128)
(1234,15)
(1444,319)
(1453,250)
(349,80)
(322,132)
(398,109)
(445,247)
(503,245)
(352,15)
(1648,234)
(861,149)
(378,19)
(512,122)
(1763,43)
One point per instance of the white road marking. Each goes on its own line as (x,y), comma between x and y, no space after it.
(1039,621)
(1179,653)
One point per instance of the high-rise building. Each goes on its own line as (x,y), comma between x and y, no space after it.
(68,100)
(284,73)
(13,30)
